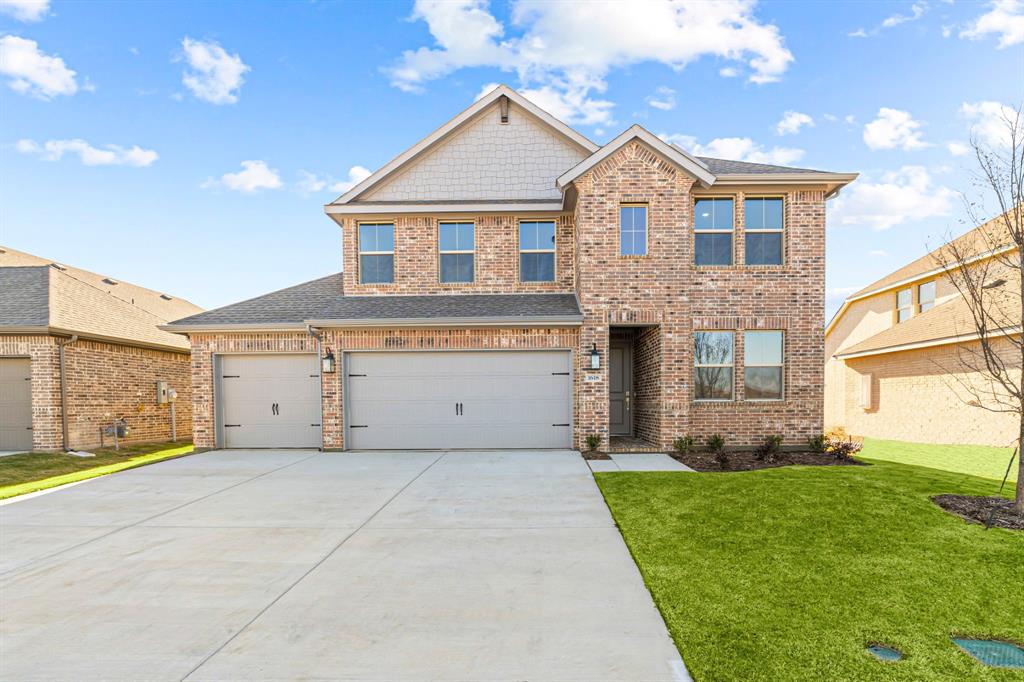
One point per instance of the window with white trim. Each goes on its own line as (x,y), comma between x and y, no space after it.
(904,305)
(633,230)
(763,365)
(713,365)
(376,253)
(537,251)
(763,228)
(925,296)
(456,245)
(712,227)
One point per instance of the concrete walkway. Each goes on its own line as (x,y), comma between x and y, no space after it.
(351,566)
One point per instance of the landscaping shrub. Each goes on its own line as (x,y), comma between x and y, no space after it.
(843,449)
(683,444)
(769,449)
(716,444)
(818,443)
(593,440)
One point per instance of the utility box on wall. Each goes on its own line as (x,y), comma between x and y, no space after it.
(163,392)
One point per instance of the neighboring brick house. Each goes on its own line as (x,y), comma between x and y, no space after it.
(896,350)
(508,283)
(113,355)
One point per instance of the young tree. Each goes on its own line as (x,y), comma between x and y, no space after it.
(986,266)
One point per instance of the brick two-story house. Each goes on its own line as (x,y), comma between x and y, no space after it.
(507,283)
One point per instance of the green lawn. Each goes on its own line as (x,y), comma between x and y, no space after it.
(786,574)
(29,472)
(976,460)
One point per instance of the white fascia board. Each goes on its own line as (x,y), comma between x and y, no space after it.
(239,327)
(552,321)
(481,207)
(687,162)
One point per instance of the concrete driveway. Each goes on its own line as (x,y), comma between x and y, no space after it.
(279,565)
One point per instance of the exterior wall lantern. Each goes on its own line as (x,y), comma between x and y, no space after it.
(595,357)
(328,362)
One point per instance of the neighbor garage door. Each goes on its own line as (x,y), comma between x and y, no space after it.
(268,401)
(15,404)
(458,400)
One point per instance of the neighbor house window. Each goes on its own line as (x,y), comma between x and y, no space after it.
(763,230)
(762,365)
(904,304)
(537,251)
(376,253)
(926,296)
(456,245)
(712,226)
(713,366)
(633,230)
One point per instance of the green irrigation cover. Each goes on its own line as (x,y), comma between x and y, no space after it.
(993,652)
(885,653)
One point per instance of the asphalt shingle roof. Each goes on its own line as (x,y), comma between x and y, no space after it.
(727,167)
(24,297)
(322,299)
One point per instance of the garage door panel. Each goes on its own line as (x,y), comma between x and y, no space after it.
(15,404)
(404,400)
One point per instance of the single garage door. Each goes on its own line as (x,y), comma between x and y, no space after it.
(15,404)
(459,400)
(268,401)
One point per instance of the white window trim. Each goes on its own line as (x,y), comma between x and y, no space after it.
(553,250)
(760,230)
(359,263)
(732,366)
(452,252)
(909,307)
(647,226)
(781,366)
(731,230)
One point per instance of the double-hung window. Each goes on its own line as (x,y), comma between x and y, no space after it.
(904,305)
(762,365)
(633,230)
(537,251)
(763,231)
(925,296)
(376,253)
(456,246)
(712,227)
(713,365)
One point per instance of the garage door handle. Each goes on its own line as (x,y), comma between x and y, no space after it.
(229,426)
(561,424)
(230,376)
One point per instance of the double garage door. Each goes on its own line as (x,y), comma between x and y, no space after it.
(401,400)
(15,404)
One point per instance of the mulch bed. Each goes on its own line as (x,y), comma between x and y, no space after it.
(978,509)
(595,454)
(745,460)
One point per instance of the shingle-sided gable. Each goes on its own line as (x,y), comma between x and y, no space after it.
(487,160)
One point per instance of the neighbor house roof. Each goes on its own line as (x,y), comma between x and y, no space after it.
(37,296)
(321,303)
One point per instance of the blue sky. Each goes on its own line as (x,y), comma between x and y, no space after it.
(310,93)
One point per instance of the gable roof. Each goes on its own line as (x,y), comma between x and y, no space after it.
(43,299)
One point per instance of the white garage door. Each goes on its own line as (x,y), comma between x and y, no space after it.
(15,404)
(268,401)
(458,400)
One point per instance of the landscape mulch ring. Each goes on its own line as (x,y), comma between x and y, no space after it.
(979,509)
(745,460)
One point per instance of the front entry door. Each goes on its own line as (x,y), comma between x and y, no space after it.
(620,388)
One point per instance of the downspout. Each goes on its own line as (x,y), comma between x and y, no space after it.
(64,391)
(315,333)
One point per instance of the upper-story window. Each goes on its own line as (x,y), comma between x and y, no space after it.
(762,365)
(763,230)
(713,365)
(633,230)
(376,253)
(537,251)
(712,226)
(904,304)
(456,244)
(925,296)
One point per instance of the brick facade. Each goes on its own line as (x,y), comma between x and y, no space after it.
(104,382)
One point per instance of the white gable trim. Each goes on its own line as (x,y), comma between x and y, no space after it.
(687,162)
(449,127)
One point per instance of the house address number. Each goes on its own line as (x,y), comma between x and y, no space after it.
(592,377)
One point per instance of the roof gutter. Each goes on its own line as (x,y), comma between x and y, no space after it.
(58,331)
(237,327)
(539,321)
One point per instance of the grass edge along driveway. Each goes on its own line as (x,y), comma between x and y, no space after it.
(143,455)
(786,574)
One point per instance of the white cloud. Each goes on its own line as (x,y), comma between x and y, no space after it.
(664,99)
(254,176)
(859,33)
(990,121)
(110,155)
(728,72)
(32,72)
(878,253)
(736,149)
(215,75)
(917,11)
(26,10)
(1004,18)
(791,123)
(898,197)
(563,65)
(356,174)
(957,148)
(850,119)
(312,183)
(894,129)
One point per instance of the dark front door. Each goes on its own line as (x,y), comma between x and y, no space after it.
(620,388)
